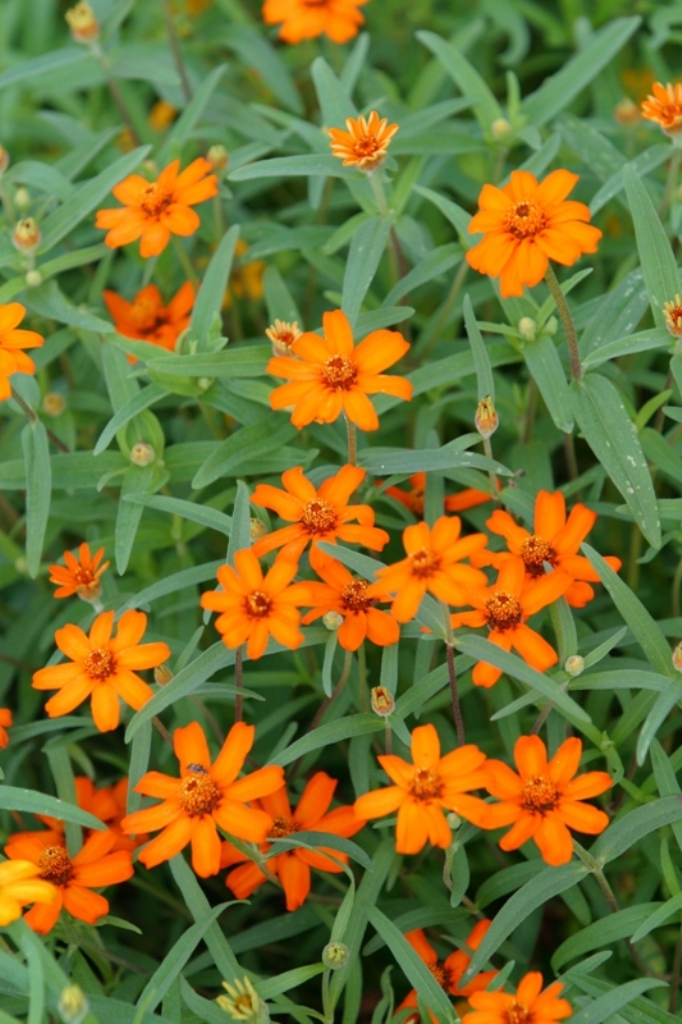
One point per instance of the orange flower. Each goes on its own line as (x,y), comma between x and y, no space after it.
(155,210)
(434,564)
(424,788)
(449,973)
(20,885)
(665,107)
(366,142)
(544,800)
(101,667)
(205,797)
(12,341)
(554,540)
(527,1004)
(147,319)
(162,115)
(253,607)
(81,575)
(322,514)
(283,334)
(413,499)
(526,224)
(332,376)
(5,723)
(346,595)
(293,867)
(73,877)
(303,19)
(246,278)
(504,608)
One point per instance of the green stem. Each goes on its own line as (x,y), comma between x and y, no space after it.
(362,677)
(432,336)
(352,442)
(176,51)
(567,321)
(452,674)
(492,475)
(677,580)
(115,92)
(379,194)
(32,418)
(677,970)
(186,262)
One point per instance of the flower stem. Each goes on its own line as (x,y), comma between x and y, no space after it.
(379,194)
(32,418)
(492,475)
(567,321)
(352,442)
(677,970)
(239,683)
(116,94)
(452,675)
(176,51)
(186,262)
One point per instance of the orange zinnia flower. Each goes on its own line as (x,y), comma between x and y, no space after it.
(293,867)
(253,607)
(527,224)
(94,867)
(665,107)
(366,142)
(12,341)
(424,788)
(554,540)
(205,797)
(322,514)
(5,723)
(346,595)
(155,210)
(81,575)
(434,564)
(527,1004)
(504,608)
(147,319)
(413,499)
(103,667)
(449,973)
(339,19)
(332,376)
(283,334)
(19,886)
(544,800)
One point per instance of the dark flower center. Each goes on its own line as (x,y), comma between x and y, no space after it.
(318,516)
(539,795)
(339,373)
(503,612)
(55,865)
(426,785)
(534,552)
(100,664)
(199,794)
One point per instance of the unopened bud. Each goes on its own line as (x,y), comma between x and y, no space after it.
(54,404)
(677,657)
(21,565)
(283,335)
(627,112)
(142,454)
(219,158)
(83,23)
(242,1002)
(204,382)
(527,328)
(672,314)
(453,820)
(257,529)
(4,159)
(382,701)
(332,620)
(486,419)
(73,1005)
(162,675)
(500,128)
(26,237)
(335,955)
(574,665)
(551,327)
(22,198)
(34,279)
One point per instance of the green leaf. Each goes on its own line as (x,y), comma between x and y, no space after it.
(307,165)
(632,827)
(657,716)
(311,840)
(642,164)
(659,266)
(610,433)
(557,91)
(138,401)
(136,480)
(172,584)
(610,1003)
(436,263)
(200,909)
(330,732)
(29,802)
(38,470)
(334,99)
(643,341)
(181,131)
(449,456)
(249,361)
(195,513)
(366,249)
(279,300)
(256,52)
(68,58)
(458,217)
(484,371)
(212,291)
(544,363)
(262,438)
(470,82)
(602,933)
(240,535)
(659,917)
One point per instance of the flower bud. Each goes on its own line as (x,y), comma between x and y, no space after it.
(242,1002)
(486,419)
(73,1004)
(204,382)
(677,657)
(382,701)
(335,955)
(26,237)
(162,675)
(332,620)
(219,158)
(21,565)
(527,328)
(257,529)
(4,159)
(672,313)
(34,279)
(453,820)
(500,128)
(574,665)
(54,404)
(22,198)
(83,23)
(142,454)
(627,112)
(283,335)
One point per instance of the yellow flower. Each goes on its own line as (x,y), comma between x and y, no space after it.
(242,1002)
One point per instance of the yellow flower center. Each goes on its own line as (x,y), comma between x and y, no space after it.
(539,795)
(526,219)
(425,564)
(534,552)
(318,516)
(198,793)
(441,974)
(145,315)
(503,612)
(426,785)
(282,827)
(55,865)
(354,596)
(257,604)
(100,664)
(517,1014)
(156,200)
(339,373)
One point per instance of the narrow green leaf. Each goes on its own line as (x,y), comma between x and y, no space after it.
(262,438)
(632,827)
(279,300)
(173,583)
(366,249)
(544,363)
(484,371)
(212,291)
(659,266)
(200,909)
(240,535)
(330,732)
(30,802)
(307,165)
(136,481)
(435,264)
(333,98)
(38,471)
(182,129)
(470,82)
(249,361)
(643,341)
(131,407)
(601,933)
(610,1003)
